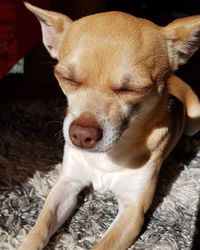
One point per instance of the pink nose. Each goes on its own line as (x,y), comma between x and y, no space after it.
(85,132)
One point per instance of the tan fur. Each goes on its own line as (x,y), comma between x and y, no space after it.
(117,69)
(183,92)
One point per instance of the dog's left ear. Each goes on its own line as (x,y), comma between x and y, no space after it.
(183,38)
(53,25)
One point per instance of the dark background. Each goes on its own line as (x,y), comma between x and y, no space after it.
(38,81)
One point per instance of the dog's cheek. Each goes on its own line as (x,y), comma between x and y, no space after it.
(130,113)
(115,112)
(112,124)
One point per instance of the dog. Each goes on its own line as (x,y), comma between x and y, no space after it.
(126,112)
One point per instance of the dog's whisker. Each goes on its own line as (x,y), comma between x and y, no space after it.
(59,137)
(53,122)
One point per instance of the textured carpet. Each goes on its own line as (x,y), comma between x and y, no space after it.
(30,154)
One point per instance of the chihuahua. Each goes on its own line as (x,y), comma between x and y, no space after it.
(126,112)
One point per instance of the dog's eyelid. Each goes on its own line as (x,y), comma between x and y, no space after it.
(134,90)
(122,89)
(66,79)
(71,81)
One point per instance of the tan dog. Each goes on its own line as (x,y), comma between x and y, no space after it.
(126,113)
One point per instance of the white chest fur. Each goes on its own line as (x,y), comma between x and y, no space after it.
(99,170)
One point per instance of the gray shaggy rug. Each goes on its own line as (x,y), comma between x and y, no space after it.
(31,146)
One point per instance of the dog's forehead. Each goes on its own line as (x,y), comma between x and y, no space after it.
(112,23)
(114,28)
(112,39)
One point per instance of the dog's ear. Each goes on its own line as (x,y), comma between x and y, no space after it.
(183,37)
(53,25)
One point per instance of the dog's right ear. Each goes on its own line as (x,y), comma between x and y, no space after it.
(53,25)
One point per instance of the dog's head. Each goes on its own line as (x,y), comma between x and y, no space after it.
(113,68)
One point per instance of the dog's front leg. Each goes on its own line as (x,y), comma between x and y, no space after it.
(124,229)
(57,208)
(129,221)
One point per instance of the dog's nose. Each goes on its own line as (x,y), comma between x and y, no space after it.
(85,132)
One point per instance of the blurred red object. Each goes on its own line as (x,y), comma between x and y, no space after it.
(19,32)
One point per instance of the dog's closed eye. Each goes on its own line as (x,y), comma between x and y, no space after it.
(67,80)
(132,90)
(70,81)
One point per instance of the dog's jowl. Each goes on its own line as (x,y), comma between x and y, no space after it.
(117,72)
